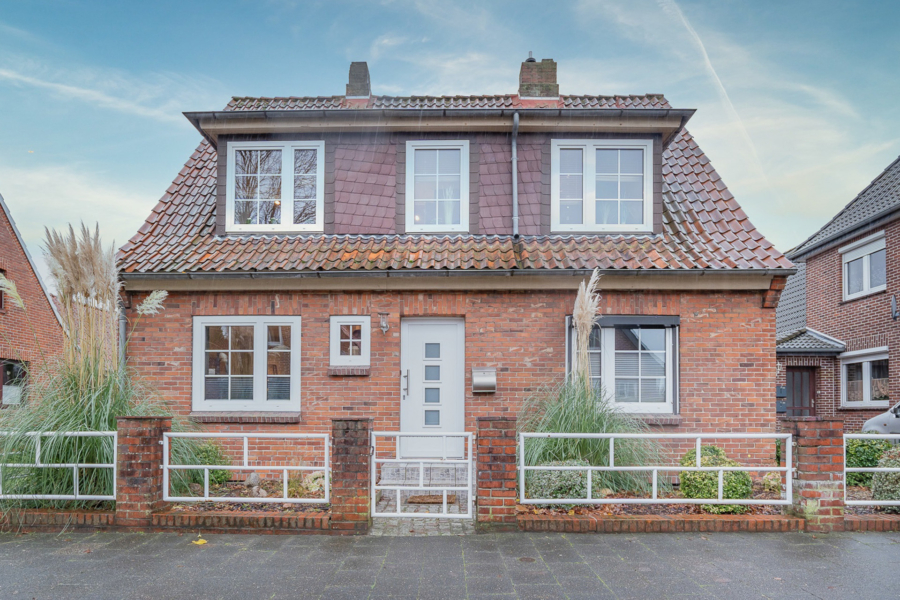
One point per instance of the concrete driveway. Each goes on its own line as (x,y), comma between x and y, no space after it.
(512,565)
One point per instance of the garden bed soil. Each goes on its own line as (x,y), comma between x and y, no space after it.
(863,493)
(605,510)
(237,489)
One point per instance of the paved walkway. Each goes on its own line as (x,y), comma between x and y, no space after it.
(497,566)
(414,526)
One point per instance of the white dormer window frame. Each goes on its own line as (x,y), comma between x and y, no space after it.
(289,182)
(867,255)
(414,226)
(589,178)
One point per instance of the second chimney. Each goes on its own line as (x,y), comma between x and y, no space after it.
(359,85)
(538,79)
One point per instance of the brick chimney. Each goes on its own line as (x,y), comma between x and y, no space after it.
(359,80)
(538,79)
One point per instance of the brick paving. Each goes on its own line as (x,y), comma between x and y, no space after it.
(487,566)
(414,526)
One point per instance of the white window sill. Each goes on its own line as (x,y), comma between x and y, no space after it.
(877,290)
(882,406)
(274,417)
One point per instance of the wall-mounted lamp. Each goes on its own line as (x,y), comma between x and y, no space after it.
(383,322)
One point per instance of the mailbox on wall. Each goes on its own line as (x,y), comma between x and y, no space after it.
(484,380)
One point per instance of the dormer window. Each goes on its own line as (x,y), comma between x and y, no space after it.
(437,186)
(275,186)
(601,185)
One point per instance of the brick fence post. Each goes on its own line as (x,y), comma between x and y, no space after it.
(496,491)
(139,484)
(350,508)
(818,493)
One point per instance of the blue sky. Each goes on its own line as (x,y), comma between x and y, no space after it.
(796,100)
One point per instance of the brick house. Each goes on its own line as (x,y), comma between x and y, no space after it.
(25,339)
(362,255)
(836,336)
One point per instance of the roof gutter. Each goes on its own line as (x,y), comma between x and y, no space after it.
(453,273)
(211,123)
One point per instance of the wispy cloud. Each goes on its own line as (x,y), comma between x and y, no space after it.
(157,96)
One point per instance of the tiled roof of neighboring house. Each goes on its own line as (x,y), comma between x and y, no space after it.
(880,197)
(791,311)
(455,102)
(809,341)
(703,228)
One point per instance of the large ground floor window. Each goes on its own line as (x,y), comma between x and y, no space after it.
(633,360)
(246,363)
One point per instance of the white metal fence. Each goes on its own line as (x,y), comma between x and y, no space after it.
(245,466)
(76,483)
(894,438)
(654,470)
(399,469)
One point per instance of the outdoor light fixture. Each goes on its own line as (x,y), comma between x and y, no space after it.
(383,322)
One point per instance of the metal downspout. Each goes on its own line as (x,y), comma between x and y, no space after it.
(123,335)
(515,176)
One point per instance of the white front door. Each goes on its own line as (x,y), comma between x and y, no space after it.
(432,379)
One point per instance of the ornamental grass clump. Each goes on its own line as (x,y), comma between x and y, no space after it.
(736,485)
(578,406)
(886,486)
(83,387)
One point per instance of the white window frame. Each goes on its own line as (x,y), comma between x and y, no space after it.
(608,365)
(863,248)
(287,186)
(866,357)
(363,360)
(260,348)
(464,175)
(589,190)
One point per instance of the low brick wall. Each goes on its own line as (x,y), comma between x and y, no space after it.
(659,523)
(872,523)
(229,522)
(54,521)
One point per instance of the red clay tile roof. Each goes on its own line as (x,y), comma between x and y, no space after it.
(704,228)
(426,102)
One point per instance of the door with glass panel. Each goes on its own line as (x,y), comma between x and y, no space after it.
(432,379)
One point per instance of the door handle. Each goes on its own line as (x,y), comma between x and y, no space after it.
(406,387)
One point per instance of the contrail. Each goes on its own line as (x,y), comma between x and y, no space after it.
(671,7)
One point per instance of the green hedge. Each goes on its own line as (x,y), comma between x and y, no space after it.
(886,486)
(864,453)
(705,484)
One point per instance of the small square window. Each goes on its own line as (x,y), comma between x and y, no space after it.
(432,418)
(432,373)
(432,350)
(433,395)
(350,340)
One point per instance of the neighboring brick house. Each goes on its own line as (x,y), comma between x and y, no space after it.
(391,230)
(837,340)
(25,339)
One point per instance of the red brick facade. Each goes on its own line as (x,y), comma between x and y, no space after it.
(861,323)
(726,340)
(37,334)
(496,472)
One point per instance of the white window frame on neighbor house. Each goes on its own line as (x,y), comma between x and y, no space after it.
(463,147)
(608,365)
(260,375)
(589,177)
(866,357)
(862,249)
(363,359)
(287,186)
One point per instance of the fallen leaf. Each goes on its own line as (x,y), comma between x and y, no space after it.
(199,542)
(571,512)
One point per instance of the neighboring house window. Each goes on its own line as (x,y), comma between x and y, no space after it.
(864,267)
(275,186)
(2,295)
(864,378)
(246,363)
(13,375)
(634,364)
(437,186)
(350,340)
(601,185)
